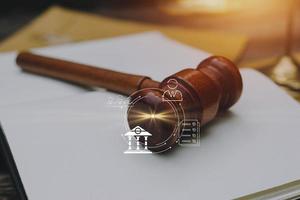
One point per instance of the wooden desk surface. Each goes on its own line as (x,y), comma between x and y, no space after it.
(265,23)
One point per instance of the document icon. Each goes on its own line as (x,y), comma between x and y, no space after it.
(190,133)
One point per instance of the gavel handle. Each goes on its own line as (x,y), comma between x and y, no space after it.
(83,74)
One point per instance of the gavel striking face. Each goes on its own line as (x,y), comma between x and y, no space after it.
(201,93)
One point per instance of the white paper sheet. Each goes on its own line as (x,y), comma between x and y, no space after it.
(149,54)
(72,148)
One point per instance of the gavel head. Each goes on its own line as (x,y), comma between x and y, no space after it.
(194,94)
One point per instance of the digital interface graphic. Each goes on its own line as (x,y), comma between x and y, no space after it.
(137,132)
(160,118)
(190,133)
(155,120)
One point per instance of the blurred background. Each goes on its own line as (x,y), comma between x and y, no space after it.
(264,22)
(264,35)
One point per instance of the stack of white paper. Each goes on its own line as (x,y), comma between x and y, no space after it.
(71,148)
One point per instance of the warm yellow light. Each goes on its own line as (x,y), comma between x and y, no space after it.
(151,115)
(138,116)
(220,4)
(201,6)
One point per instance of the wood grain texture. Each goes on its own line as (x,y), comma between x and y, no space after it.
(83,74)
(207,90)
(211,88)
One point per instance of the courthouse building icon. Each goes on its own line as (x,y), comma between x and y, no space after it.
(135,135)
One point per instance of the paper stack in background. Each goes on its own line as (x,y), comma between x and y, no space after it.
(59,25)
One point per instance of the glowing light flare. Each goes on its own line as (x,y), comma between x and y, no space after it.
(202,6)
(154,116)
(220,4)
(138,116)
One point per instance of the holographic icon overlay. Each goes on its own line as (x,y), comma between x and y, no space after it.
(161,116)
(190,133)
(118,101)
(138,133)
(172,93)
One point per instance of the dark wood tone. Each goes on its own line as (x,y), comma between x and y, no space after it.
(216,84)
(211,88)
(83,74)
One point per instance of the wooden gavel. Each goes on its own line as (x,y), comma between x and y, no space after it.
(211,88)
